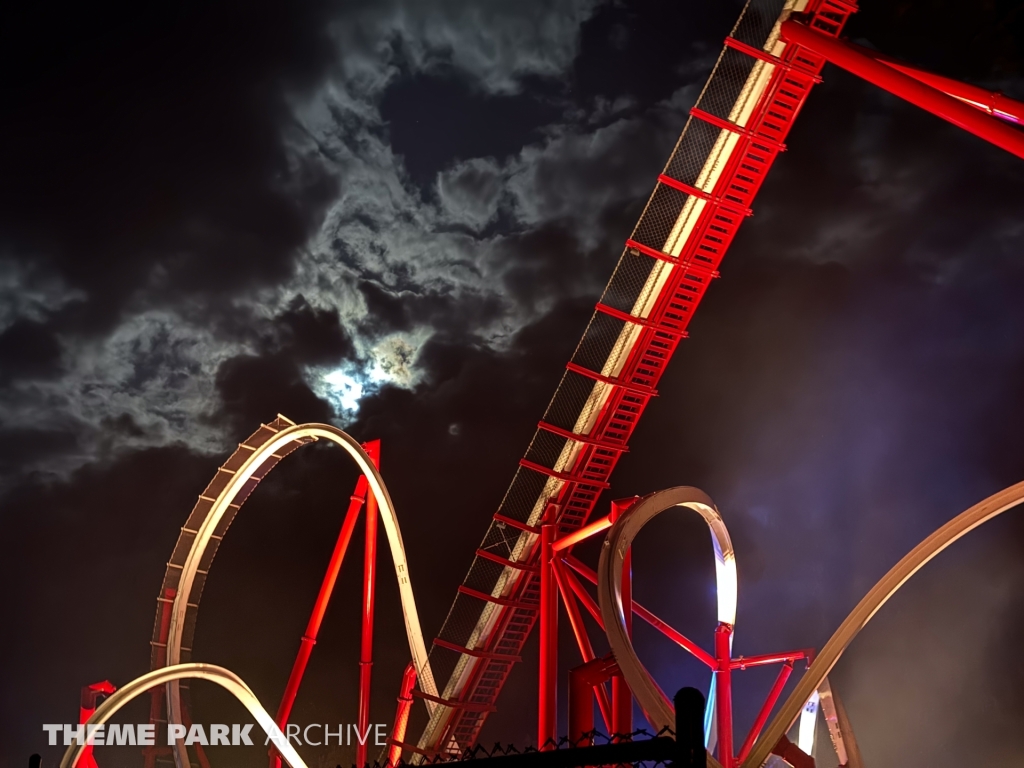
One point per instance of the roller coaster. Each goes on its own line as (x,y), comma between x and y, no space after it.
(525,565)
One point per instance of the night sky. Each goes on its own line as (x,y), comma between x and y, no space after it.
(396,217)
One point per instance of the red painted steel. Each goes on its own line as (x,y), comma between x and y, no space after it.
(620,720)
(517,524)
(723,694)
(906,87)
(583,596)
(690,267)
(469,706)
(86,707)
(633,320)
(547,683)
(401,715)
(762,55)
(582,639)
(746,662)
(585,439)
(674,635)
(490,598)
(727,125)
(564,476)
(742,173)
(369,597)
(584,680)
(659,624)
(792,754)
(993,103)
(759,139)
(622,697)
(356,501)
(620,383)
(521,566)
(766,710)
(308,640)
(585,532)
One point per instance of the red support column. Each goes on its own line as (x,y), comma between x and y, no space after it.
(402,716)
(319,609)
(622,697)
(723,694)
(582,640)
(906,87)
(766,709)
(548,677)
(86,708)
(369,595)
(583,681)
(990,102)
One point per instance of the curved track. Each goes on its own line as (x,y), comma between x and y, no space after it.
(222,677)
(889,584)
(649,696)
(235,480)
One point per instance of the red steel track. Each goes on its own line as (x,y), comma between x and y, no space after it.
(714,201)
(770,62)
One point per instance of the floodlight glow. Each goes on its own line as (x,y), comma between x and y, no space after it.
(808,725)
(727,583)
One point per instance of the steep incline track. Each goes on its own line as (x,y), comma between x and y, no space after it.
(730,141)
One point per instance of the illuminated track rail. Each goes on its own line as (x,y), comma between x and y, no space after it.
(871,603)
(235,480)
(169,675)
(769,64)
(718,717)
(652,701)
(657,709)
(735,131)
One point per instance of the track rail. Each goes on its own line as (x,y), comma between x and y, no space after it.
(178,606)
(735,131)
(657,709)
(871,603)
(225,678)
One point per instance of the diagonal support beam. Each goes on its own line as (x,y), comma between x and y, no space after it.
(906,87)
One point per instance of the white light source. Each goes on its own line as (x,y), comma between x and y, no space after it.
(727,583)
(808,725)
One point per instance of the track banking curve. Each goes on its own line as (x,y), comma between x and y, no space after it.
(242,471)
(167,675)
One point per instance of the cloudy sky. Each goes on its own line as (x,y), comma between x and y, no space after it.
(396,217)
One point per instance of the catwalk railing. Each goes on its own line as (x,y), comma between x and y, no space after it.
(769,63)
(734,133)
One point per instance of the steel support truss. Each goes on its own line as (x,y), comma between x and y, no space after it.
(559,583)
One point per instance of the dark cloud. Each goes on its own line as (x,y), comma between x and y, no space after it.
(643,50)
(313,336)
(990,38)
(144,148)
(437,119)
(397,217)
(28,349)
(254,389)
